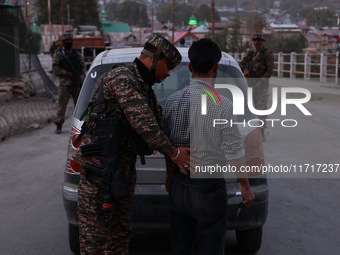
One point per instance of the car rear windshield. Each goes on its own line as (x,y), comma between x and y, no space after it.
(179,78)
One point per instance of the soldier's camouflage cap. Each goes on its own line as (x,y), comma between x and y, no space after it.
(167,48)
(257,37)
(67,37)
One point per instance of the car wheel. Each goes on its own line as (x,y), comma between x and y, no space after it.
(249,240)
(73,237)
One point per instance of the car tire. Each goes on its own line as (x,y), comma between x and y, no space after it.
(73,237)
(249,240)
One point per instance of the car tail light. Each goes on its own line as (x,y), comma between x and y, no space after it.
(72,167)
(74,136)
(254,152)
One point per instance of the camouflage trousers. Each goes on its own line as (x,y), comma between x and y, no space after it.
(95,235)
(260,97)
(65,92)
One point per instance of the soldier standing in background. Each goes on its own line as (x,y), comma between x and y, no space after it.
(125,95)
(55,45)
(257,67)
(70,67)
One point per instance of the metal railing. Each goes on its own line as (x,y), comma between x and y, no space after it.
(322,66)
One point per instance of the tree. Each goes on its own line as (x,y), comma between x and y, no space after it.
(234,44)
(203,13)
(82,12)
(43,12)
(255,23)
(111,11)
(286,44)
(229,39)
(131,12)
(36,42)
(85,12)
(183,13)
(321,18)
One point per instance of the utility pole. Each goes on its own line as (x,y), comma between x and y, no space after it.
(26,13)
(213,20)
(338,49)
(68,16)
(339,32)
(62,16)
(173,22)
(140,25)
(152,17)
(49,19)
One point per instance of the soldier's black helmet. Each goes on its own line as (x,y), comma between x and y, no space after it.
(67,39)
(67,36)
(257,37)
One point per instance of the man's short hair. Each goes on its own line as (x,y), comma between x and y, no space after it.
(203,55)
(257,37)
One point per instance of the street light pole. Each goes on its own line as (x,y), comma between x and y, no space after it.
(152,16)
(213,20)
(68,16)
(49,19)
(339,32)
(62,16)
(26,13)
(338,49)
(173,22)
(140,25)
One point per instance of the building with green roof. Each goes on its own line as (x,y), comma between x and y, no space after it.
(112,27)
(33,27)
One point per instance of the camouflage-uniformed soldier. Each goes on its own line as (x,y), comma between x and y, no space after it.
(70,67)
(257,67)
(128,95)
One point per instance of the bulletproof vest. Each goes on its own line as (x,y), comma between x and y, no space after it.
(251,61)
(100,106)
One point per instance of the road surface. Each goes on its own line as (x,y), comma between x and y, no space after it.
(303,213)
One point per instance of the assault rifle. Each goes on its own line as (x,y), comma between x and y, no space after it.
(67,66)
(114,184)
(250,66)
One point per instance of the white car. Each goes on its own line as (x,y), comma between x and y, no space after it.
(150,206)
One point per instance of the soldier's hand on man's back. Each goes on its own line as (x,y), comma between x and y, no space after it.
(185,162)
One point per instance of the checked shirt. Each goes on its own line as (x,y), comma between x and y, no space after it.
(185,125)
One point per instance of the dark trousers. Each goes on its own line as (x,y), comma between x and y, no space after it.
(65,92)
(96,236)
(198,207)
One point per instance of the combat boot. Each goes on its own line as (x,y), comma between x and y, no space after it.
(58,130)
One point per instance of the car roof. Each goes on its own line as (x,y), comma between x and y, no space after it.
(127,55)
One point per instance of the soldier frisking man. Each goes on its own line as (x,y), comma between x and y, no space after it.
(123,120)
